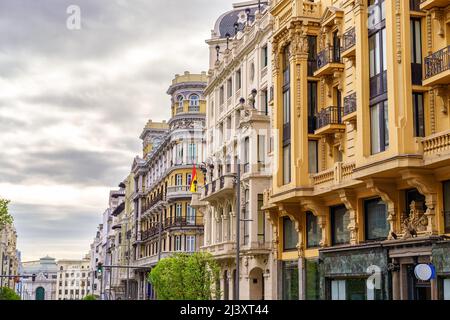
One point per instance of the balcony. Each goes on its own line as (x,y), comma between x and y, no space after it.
(250,116)
(340,173)
(328,62)
(222,250)
(153,204)
(177,192)
(329,121)
(149,233)
(436,147)
(430,4)
(349,48)
(437,68)
(220,188)
(349,107)
(180,222)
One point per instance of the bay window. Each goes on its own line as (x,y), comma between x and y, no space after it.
(313,232)
(376,223)
(290,235)
(340,219)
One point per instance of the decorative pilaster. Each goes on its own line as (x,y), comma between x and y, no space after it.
(349,200)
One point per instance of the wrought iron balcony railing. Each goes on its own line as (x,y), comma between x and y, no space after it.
(328,55)
(437,63)
(330,115)
(350,104)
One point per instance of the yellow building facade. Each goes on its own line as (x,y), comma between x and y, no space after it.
(165,221)
(361,187)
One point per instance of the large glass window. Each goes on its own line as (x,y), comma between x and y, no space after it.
(312,279)
(376,215)
(290,280)
(261,220)
(312,55)
(287,164)
(190,215)
(247,154)
(312,106)
(261,151)
(229,88)
(192,153)
(290,235)
(379,127)
(340,219)
(353,289)
(313,159)
(190,243)
(247,217)
(377,48)
(264,56)
(313,234)
(419,115)
(238,79)
(416,51)
(446,189)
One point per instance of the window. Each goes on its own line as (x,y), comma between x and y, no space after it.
(188,178)
(312,55)
(446,196)
(290,235)
(192,153)
(264,56)
(314,233)
(264,101)
(419,115)
(289,273)
(261,220)
(416,51)
(353,289)
(247,217)
(379,126)
(177,243)
(221,95)
(247,154)
(312,279)
(179,179)
(261,152)
(313,159)
(180,101)
(178,210)
(287,164)
(190,217)
(229,88)
(312,106)
(238,80)
(446,287)
(377,48)
(340,219)
(179,154)
(194,103)
(190,243)
(376,215)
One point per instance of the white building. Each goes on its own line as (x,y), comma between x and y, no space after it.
(40,283)
(74,279)
(239,133)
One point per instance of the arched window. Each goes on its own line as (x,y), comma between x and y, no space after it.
(180,101)
(194,103)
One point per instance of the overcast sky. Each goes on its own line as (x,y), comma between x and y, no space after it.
(73,103)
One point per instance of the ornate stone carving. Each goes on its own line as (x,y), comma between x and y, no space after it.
(350,202)
(415,222)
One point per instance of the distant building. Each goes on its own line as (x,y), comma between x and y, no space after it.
(40,283)
(74,279)
(9,263)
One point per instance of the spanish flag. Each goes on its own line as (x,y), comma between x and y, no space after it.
(193,188)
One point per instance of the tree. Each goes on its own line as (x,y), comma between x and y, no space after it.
(5,217)
(8,294)
(186,277)
(90,297)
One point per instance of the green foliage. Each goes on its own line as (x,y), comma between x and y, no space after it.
(186,277)
(8,294)
(90,297)
(5,217)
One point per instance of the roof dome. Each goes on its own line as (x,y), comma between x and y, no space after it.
(225,23)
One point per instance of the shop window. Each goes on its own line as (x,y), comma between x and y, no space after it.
(312,280)
(290,280)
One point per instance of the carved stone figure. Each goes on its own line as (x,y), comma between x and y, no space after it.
(416,221)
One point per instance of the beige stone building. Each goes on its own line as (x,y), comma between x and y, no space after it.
(9,264)
(73,280)
(239,134)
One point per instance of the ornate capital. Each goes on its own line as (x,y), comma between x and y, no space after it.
(350,201)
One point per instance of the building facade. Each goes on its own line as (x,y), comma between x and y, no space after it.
(362,181)
(239,135)
(39,279)
(165,222)
(8,255)
(74,279)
